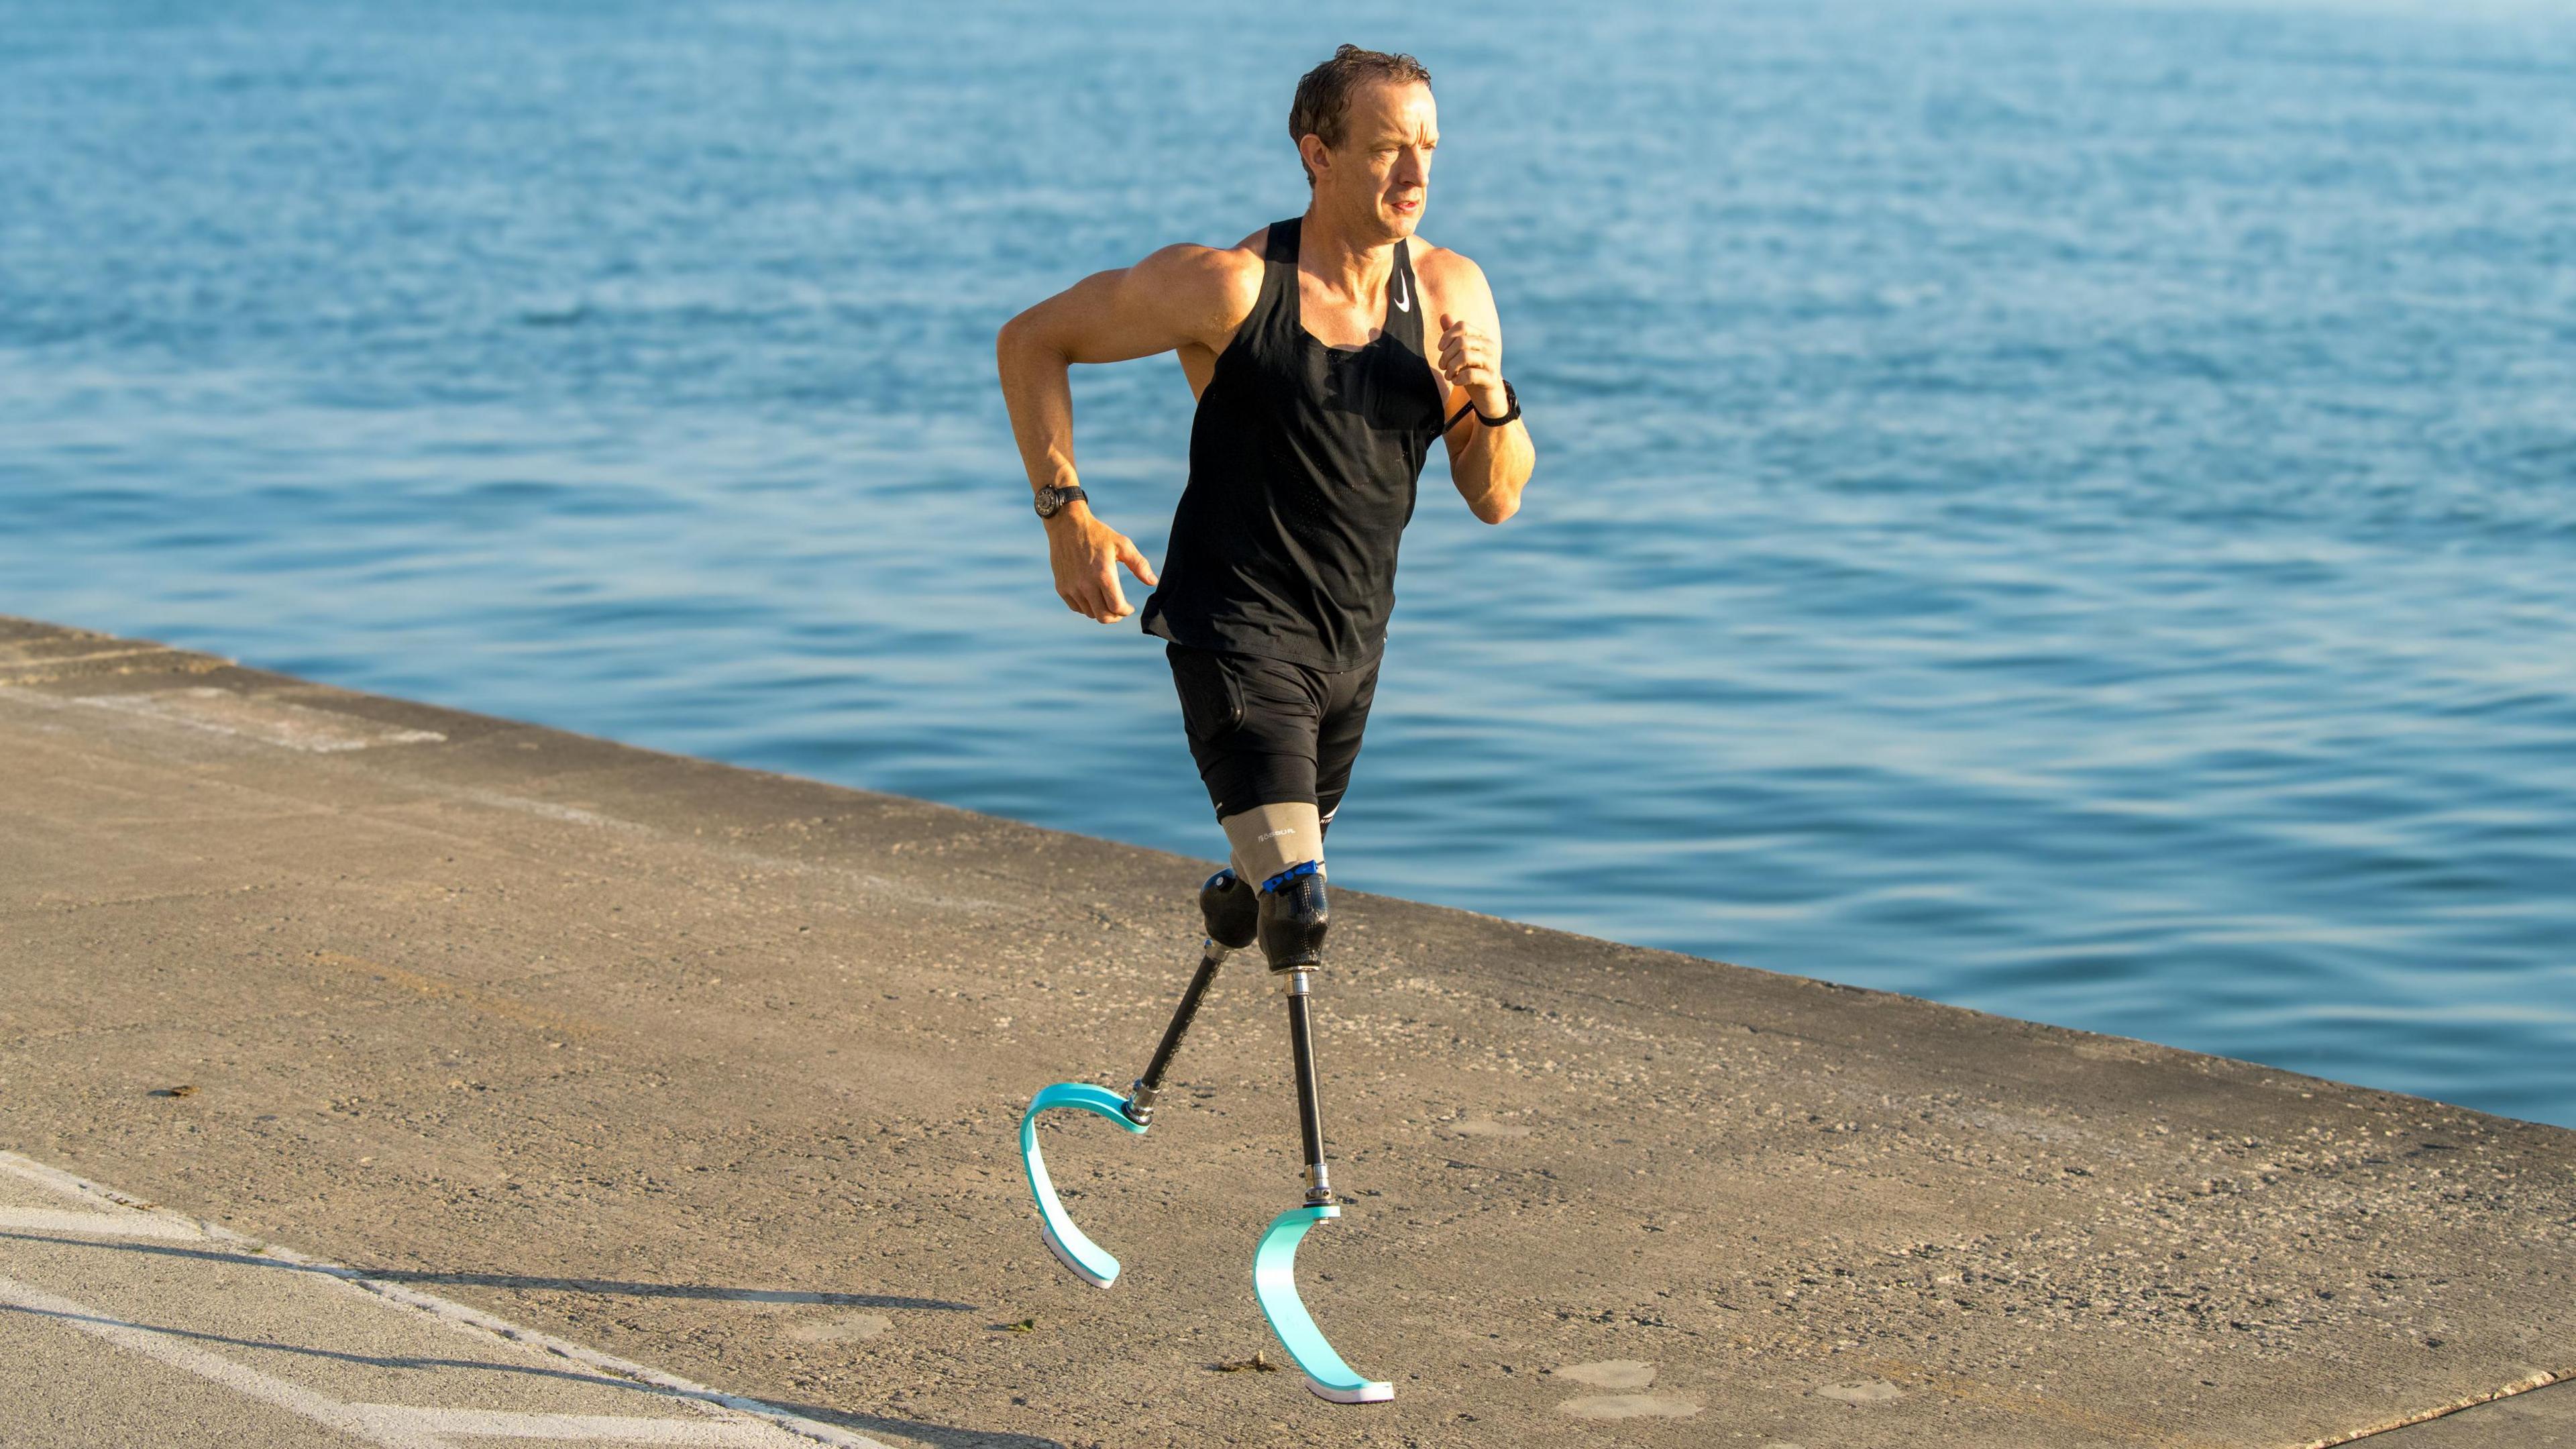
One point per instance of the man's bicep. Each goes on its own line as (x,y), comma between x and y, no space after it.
(1161,303)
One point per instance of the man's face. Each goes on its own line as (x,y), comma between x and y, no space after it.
(1382,169)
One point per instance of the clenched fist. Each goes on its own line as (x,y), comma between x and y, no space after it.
(1472,357)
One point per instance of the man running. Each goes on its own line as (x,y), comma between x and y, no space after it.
(1318,401)
(1320,388)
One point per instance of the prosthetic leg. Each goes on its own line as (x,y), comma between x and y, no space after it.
(1294,916)
(1232,919)
(1288,916)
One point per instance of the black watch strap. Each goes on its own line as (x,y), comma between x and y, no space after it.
(1051,500)
(1511,410)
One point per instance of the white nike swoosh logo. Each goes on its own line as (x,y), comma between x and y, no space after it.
(1403,303)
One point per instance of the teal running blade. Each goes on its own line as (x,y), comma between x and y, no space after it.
(1274,1283)
(1086,1258)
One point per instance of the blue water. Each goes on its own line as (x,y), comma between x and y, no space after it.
(2067,509)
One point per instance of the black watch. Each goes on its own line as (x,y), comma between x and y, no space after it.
(1051,499)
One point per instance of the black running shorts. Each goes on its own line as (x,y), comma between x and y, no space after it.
(1268,732)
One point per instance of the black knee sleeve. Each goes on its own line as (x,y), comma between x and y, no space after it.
(1233,915)
(1294,917)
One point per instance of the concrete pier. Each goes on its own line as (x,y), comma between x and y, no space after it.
(717,1071)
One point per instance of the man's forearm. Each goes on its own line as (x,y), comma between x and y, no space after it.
(1493,469)
(1037,388)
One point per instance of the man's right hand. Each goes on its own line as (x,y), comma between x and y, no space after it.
(1085,554)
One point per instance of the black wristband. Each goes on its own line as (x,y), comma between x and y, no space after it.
(1469,406)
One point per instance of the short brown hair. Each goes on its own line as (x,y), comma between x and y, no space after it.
(1324,94)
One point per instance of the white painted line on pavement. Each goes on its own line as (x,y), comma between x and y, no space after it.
(396,1426)
(241,1379)
(732,1413)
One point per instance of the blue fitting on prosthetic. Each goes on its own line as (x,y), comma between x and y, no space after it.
(1298,871)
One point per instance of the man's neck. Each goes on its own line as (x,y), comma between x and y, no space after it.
(1355,265)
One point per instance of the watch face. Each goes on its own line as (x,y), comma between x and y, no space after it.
(1049,500)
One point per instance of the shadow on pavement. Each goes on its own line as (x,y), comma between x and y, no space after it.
(514,1280)
(941,1435)
(665,1290)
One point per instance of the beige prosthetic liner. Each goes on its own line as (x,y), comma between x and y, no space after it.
(1268,839)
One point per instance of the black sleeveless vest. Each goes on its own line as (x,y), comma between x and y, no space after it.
(1303,460)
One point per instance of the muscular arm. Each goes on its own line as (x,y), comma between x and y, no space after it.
(1179,297)
(1490,465)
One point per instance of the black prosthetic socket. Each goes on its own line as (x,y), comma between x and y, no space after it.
(1233,915)
(1294,917)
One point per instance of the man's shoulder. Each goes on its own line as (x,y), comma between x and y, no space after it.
(1245,255)
(1437,264)
(1226,279)
(1452,283)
